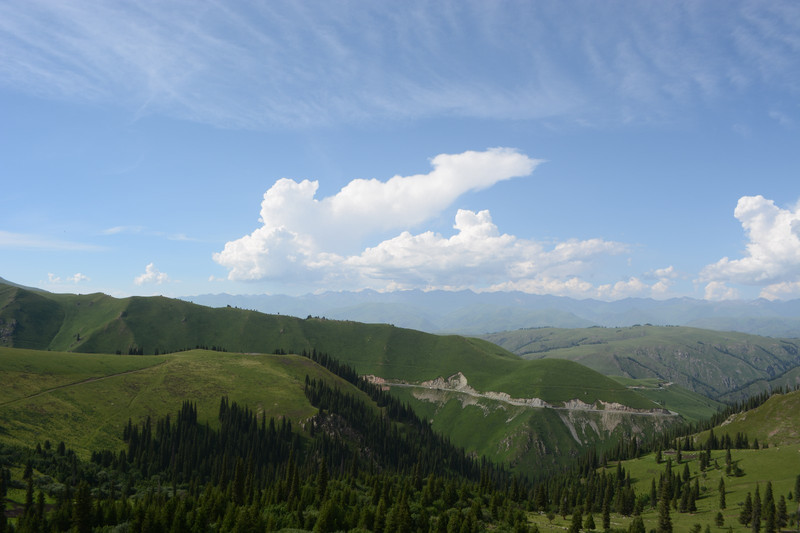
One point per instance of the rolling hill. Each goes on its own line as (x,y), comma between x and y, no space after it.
(561,406)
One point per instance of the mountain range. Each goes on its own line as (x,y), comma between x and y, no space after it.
(470,313)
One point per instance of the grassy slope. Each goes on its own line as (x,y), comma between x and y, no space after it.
(776,422)
(58,396)
(709,362)
(101,324)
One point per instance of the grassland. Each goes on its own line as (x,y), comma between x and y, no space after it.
(85,400)
(780,465)
(98,323)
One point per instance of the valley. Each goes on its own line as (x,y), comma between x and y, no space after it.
(82,370)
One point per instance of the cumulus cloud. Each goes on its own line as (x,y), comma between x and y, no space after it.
(718,290)
(299,230)
(772,254)
(340,241)
(781,291)
(75,278)
(151,275)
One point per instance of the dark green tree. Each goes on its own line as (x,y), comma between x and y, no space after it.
(637,525)
(782,516)
(577,520)
(82,510)
(746,514)
(721,488)
(756,523)
(664,520)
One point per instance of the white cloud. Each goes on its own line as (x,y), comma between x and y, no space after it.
(781,291)
(151,275)
(78,277)
(301,231)
(718,290)
(772,255)
(623,289)
(75,278)
(306,240)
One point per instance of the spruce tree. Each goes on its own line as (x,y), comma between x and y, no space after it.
(575,527)
(664,521)
(756,524)
(768,509)
(746,514)
(82,510)
(722,503)
(782,515)
(637,526)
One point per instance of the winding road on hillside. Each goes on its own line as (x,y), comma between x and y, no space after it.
(533,403)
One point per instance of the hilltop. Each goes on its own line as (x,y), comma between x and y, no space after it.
(85,400)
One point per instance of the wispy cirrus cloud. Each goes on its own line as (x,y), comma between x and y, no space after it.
(27,241)
(294,64)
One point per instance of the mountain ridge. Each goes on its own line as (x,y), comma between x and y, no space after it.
(471,313)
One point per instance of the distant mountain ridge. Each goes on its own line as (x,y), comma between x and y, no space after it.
(715,364)
(471,313)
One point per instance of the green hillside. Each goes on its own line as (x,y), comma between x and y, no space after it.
(85,400)
(711,363)
(98,323)
(774,423)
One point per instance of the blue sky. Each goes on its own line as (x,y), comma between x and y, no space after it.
(584,149)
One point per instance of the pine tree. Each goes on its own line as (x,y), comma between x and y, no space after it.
(722,503)
(82,510)
(746,514)
(637,526)
(664,520)
(782,515)
(768,509)
(575,527)
(322,480)
(756,524)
